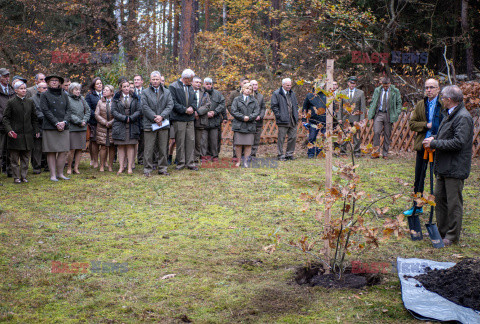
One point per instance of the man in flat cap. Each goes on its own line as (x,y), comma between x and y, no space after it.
(352,109)
(6,92)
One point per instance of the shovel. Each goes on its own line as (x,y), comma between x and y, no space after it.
(432,229)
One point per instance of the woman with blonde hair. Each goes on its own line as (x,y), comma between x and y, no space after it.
(126,130)
(104,117)
(78,118)
(245,110)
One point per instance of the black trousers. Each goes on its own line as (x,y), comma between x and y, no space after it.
(419,179)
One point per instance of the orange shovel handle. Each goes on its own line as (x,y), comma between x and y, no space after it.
(428,154)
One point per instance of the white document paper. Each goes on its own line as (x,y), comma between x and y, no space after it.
(165,123)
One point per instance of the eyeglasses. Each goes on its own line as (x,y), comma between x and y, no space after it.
(426,88)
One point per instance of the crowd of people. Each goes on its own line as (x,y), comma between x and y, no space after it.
(48,124)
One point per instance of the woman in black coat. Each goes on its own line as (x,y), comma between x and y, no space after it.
(126,130)
(245,110)
(55,137)
(20,121)
(92,98)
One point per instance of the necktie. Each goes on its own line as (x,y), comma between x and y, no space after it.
(350,94)
(125,99)
(186,95)
(246,100)
(384,101)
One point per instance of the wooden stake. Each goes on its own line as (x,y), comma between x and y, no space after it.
(329,149)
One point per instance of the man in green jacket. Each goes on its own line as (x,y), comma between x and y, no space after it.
(384,110)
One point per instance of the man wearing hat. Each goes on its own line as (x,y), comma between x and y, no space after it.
(355,102)
(6,92)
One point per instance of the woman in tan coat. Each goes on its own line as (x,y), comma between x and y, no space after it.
(104,117)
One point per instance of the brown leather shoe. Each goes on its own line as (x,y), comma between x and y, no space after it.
(385,157)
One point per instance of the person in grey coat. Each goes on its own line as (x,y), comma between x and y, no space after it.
(245,110)
(259,119)
(285,108)
(157,104)
(453,159)
(79,116)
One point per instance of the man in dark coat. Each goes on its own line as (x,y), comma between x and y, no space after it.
(259,120)
(39,159)
(157,104)
(453,159)
(215,118)
(425,119)
(138,83)
(201,120)
(285,108)
(183,116)
(6,93)
(20,122)
(315,105)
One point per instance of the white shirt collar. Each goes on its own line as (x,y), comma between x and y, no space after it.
(451,110)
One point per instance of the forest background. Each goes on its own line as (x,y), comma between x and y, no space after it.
(226,39)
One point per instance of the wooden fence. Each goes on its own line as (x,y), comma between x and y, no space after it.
(402,137)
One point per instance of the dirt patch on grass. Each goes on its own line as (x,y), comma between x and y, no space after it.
(459,284)
(315,276)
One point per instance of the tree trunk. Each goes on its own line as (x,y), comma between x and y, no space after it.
(164,26)
(176,28)
(467,39)
(170,25)
(187,34)
(131,27)
(275,34)
(154,34)
(224,23)
(196,12)
(119,21)
(207,15)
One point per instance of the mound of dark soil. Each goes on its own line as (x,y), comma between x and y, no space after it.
(459,284)
(315,276)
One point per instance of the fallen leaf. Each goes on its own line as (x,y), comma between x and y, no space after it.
(168,276)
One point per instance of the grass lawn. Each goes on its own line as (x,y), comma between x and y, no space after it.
(208,228)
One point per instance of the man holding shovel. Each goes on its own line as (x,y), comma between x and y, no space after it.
(453,157)
(425,119)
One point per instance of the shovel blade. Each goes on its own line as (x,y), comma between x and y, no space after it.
(415,228)
(434,235)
